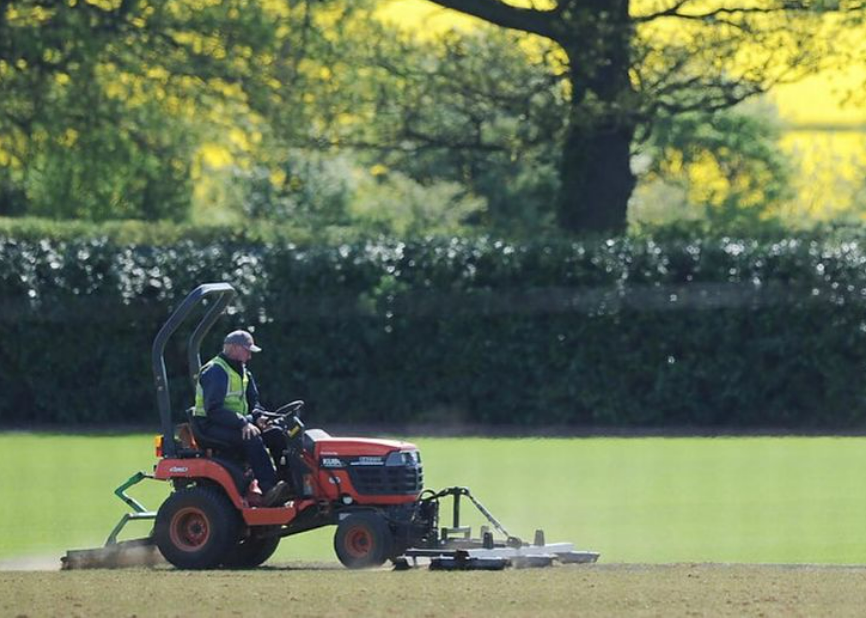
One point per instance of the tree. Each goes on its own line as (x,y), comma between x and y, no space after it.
(726,168)
(480,109)
(629,62)
(458,116)
(103,101)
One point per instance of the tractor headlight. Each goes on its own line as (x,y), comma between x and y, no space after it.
(403,458)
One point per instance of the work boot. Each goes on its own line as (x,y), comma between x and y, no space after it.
(254,495)
(276,495)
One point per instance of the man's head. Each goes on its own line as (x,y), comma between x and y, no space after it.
(239,345)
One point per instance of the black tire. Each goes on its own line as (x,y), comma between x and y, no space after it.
(196,528)
(251,552)
(363,540)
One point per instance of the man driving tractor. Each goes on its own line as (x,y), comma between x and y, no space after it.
(227,409)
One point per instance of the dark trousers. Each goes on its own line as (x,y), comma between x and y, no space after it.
(255,450)
(275,441)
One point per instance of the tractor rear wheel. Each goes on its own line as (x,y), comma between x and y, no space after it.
(196,528)
(363,540)
(250,553)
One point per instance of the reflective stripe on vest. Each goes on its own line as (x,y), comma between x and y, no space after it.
(236,389)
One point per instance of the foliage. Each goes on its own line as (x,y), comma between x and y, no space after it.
(484,109)
(641,331)
(433,116)
(305,187)
(103,101)
(629,64)
(162,233)
(728,165)
(301,112)
(393,203)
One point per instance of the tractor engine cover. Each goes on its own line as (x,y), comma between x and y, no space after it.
(369,471)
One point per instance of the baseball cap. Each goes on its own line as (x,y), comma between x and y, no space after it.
(243,339)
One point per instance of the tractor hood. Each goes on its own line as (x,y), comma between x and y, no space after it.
(328,446)
(368,471)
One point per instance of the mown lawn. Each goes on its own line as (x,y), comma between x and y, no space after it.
(758,500)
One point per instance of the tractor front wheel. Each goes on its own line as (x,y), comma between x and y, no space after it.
(363,540)
(196,528)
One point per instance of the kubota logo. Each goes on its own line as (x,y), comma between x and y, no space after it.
(368,461)
(178,469)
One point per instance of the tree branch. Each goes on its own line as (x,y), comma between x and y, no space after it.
(721,13)
(505,15)
(668,12)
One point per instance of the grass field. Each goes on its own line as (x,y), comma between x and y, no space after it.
(636,500)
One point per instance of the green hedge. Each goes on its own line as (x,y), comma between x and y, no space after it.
(623,332)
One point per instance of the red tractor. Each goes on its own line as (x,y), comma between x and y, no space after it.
(372,490)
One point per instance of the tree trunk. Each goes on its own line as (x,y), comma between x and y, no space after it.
(596,178)
(596,175)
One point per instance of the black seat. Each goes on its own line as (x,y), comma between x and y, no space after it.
(223,453)
(203,440)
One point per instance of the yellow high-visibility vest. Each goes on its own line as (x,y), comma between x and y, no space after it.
(236,389)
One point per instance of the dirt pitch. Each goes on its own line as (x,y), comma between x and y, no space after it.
(326,590)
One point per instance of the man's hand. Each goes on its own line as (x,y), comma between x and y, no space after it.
(263,423)
(249,431)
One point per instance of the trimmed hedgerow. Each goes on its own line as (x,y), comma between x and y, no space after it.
(623,332)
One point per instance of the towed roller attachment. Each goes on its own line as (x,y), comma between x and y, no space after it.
(135,553)
(119,554)
(456,550)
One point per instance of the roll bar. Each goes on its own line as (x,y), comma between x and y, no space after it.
(223,293)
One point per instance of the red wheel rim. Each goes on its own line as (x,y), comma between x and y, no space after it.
(189,529)
(359,542)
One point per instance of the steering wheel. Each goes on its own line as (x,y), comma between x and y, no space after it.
(292,408)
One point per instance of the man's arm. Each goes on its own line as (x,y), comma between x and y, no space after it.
(255,406)
(214,384)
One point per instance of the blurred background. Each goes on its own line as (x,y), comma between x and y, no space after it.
(628,214)
(452,217)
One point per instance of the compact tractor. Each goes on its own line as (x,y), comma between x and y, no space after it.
(371,490)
